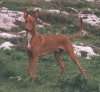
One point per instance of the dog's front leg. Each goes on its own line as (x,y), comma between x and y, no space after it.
(32,67)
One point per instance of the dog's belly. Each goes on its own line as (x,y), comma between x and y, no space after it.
(49,50)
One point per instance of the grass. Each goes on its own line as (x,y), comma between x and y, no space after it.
(19,4)
(49,78)
(16,4)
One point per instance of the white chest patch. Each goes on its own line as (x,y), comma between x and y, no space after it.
(29,36)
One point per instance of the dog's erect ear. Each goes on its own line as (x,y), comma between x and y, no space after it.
(35,13)
(25,11)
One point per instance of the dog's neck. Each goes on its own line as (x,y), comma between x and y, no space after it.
(33,32)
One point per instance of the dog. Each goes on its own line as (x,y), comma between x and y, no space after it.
(40,45)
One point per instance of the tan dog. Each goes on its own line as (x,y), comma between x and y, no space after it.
(44,44)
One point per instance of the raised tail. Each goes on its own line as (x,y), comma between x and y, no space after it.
(81,32)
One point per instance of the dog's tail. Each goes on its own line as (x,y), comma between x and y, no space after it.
(81,32)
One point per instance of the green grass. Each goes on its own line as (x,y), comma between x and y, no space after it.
(13,64)
(19,4)
(16,4)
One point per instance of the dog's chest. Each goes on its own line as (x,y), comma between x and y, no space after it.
(29,37)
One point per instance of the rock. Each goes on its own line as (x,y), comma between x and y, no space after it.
(6,45)
(8,35)
(9,17)
(84,51)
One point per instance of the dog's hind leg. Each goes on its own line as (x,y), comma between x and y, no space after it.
(60,60)
(70,51)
